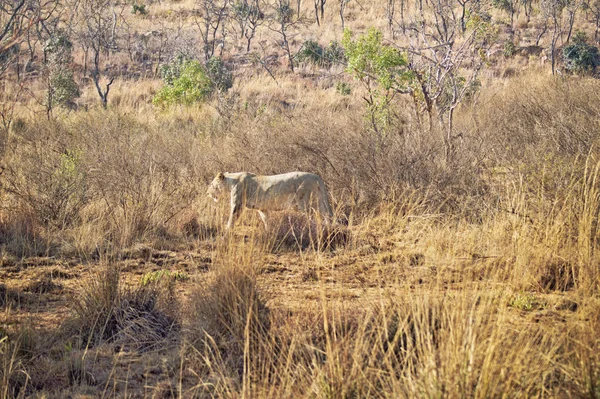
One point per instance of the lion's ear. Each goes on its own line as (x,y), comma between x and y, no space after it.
(220,176)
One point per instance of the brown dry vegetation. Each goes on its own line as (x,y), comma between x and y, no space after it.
(471,276)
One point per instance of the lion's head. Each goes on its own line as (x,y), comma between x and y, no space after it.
(217,187)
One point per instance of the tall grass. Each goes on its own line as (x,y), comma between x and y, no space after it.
(473,279)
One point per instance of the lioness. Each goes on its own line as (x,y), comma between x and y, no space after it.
(302,191)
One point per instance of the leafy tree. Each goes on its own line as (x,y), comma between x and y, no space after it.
(581,57)
(383,71)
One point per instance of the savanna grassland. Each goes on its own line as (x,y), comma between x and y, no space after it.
(459,143)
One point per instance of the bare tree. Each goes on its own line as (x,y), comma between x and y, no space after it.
(100,35)
(446,62)
(552,10)
(390,11)
(210,21)
(595,11)
(572,6)
(249,15)
(17,19)
(528,8)
(343,4)
(319,8)
(284,19)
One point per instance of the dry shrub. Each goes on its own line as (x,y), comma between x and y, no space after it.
(422,344)
(22,236)
(43,286)
(3,295)
(133,317)
(459,345)
(353,162)
(293,231)
(228,322)
(9,296)
(557,276)
(17,356)
(539,114)
(582,352)
(99,177)
(200,231)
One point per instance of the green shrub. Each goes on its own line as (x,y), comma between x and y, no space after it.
(343,88)
(509,49)
(220,76)
(64,88)
(61,86)
(139,8)
(335,53)
(312,52)
(186,82)
(581,57)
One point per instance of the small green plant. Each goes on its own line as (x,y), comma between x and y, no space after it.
(157,276)
(509,49)
(581,57)
(525,301)
(66,191)
(343,88)
(139,8)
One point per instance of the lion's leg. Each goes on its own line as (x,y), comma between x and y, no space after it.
(263,217)
(303,198)
(233,215)
(324,211)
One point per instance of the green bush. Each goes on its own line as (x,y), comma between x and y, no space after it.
(220,76)
(61,86)
(64,88)
(509,49)
(335,53)
(343,88)
(139,8)
(186,82)
(581,57)
(312,52)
